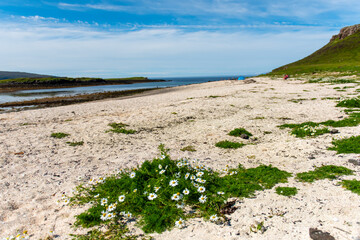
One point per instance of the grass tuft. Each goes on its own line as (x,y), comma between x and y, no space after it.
(188,148)
(352,185)
(238,131)
(120,128)
(286,191)
(229,144)
(59,135)
(346,145)
(350,103)
(329,172)
(74,144)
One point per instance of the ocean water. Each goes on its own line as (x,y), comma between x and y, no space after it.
(25,95)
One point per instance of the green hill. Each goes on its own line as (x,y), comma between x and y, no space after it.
(10,75)
(341,54)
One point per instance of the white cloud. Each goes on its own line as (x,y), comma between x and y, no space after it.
(74,50)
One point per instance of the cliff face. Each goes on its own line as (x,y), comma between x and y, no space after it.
(346,31)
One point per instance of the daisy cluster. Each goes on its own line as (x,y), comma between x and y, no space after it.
(19,236)
(162,193)
(311,131)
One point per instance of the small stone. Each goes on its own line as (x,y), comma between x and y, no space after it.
(244,136)
(355,162)
(334,131)
(311,157)
(317,234)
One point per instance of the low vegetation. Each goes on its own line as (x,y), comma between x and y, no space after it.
(346,145)
(324,172)
(188,148)
(237,132)
(74,144)
(352,185)
(286,191)
(350,103)
(229,144)
(59,135)
(163,193)
(67,80)
(120,128)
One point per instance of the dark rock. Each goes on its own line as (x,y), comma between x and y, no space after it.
(355,162)
(334,131)
(316,234)
(311,157)
(228,208)
(244,136)
(247,81)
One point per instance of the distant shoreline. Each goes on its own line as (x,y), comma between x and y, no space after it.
(17,86)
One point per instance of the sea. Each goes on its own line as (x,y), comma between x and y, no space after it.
(26,95)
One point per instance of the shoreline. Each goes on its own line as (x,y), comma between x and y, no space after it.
(37,169)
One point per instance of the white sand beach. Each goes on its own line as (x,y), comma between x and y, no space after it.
(36,169)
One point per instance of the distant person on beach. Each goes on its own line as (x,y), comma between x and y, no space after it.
(286,76)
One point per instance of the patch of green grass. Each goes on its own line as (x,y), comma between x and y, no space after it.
(175,113)
(350,103)
(156,193)
(212,96)
(286,191)
(329,172)
(188,148)
(59,135)
(309,131)
(229,144)
(346,145)
(258,118)
(352,185)
(74,144)
(120,128)
(238,131)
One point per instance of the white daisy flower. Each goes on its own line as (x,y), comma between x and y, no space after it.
(97,195)
(198,180)
(180,223)
(180,205)
(162,171)
(220,193)
(135,190)
(203,181)
(162,157)
(132,174)
(196,185)
(92,181)
(160,167)
(201,189)
(104,216)
(110,215)
(186,191)
(179,164)
(66,201)
(202,199)
(192,177)
(152,196)
(199,174)
(176,197)
(128,215)
(214,218)
(111,207)
(103,201)
(101,180)
(173,183)
(156,188)
(187,175)
(121,198)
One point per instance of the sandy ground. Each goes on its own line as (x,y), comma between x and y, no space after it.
(36,169)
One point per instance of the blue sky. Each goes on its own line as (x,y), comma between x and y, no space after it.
(155,38)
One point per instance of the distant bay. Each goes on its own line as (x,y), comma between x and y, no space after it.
(26,95)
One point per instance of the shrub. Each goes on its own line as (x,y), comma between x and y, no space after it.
(59,135)
(228,144)
(329,172)
(188,148)
(74,144)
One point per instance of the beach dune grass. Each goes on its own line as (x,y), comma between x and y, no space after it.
(346,145)
(324,172)
(350,103)
(229,145)
(237,132)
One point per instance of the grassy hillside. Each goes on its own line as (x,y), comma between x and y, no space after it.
(9,75)
(339,55)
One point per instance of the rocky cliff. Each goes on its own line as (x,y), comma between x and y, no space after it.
(346,31)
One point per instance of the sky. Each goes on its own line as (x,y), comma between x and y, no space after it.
(165,38)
